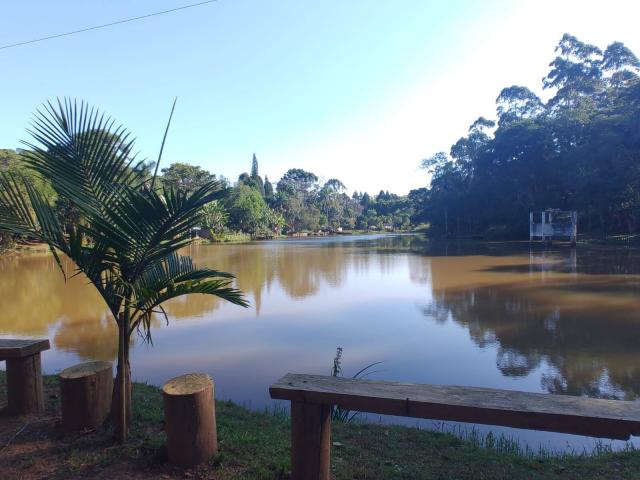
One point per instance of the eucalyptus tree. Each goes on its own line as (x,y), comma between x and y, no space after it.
(129,235)
(578,150)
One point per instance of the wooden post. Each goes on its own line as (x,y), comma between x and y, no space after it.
(310,441)
(190,419)
(24,385)
(86,392)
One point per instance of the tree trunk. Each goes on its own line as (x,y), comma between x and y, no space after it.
(446,223)
(121,404)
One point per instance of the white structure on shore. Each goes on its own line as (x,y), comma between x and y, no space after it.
(553,223)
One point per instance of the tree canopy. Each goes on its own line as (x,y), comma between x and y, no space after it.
(185,177)
(579,150)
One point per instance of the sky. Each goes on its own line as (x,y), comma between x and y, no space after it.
(359,90)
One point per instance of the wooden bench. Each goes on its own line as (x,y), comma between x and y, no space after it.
(312,396)
(24,374)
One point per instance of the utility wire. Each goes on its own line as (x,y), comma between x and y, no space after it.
(96,27)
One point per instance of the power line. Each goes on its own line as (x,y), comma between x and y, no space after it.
(96,27)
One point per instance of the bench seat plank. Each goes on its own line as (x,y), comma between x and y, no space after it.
(14,348)
(556,413)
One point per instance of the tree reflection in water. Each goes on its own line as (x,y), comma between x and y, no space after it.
(35,296)
(580,329)
(570,319)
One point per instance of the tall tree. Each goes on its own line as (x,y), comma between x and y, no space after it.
(268,188)
(579,151)
(185,177)
(254,167)
(248,211)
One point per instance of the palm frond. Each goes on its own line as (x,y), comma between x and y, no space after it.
(24,211)
(172,277)
(144,226)
(16,215)
(127,240)
(81,152)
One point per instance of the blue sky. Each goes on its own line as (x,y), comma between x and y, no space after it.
(354,89)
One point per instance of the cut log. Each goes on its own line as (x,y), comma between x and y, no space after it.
(190,419)
(86,391)
(24,385)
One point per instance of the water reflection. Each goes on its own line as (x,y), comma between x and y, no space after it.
(579,329)
(35,297)
(562,321)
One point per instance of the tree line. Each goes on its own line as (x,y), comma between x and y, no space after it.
(253,205)
(578,150)
(298,202)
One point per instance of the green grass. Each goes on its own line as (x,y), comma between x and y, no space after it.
(255,445)
(229,237)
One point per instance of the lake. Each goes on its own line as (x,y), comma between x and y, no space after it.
(551,320)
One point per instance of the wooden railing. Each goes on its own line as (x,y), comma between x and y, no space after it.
(312,396)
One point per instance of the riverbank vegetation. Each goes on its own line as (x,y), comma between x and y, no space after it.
(298,202)
(253,208)
(255,445)
(578,149)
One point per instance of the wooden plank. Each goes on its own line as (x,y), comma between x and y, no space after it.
(14,348)
(556,413)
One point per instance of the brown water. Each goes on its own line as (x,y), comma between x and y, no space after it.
(561,321)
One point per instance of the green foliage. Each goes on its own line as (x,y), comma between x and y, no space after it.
(14,162)
(248,211)
(339,414)
(299,204)
(215,217)
(186,178)
(128,240)
(296,200)
(578,151)
(268,188)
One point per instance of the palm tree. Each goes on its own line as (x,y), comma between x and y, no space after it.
(129,235)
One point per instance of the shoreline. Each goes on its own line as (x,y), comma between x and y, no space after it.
(255,444)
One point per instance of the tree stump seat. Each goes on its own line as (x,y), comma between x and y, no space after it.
(24,374)
(86,392)
(190,419)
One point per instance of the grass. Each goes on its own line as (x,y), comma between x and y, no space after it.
(255,445)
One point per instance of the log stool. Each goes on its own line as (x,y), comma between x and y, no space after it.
(86,391)
(190,419)
(24,374)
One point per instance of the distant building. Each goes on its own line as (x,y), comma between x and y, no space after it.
(553,224)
